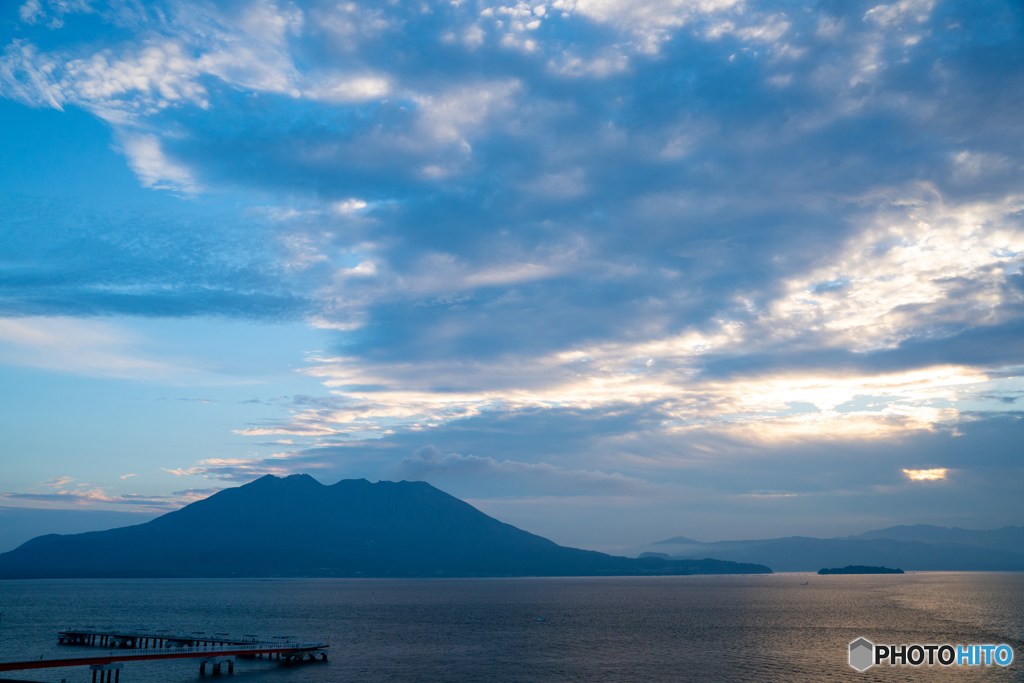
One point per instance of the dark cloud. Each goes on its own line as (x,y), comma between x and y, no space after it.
(615,184)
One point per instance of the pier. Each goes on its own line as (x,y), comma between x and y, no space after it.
(115,639)
(126,646)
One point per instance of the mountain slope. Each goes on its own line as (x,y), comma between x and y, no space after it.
(296,526)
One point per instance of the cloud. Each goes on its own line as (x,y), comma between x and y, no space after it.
(926,475)
(454,115)
(428,463)
(651,21)
(59,482)
(153,167)
(82,347)
(30,11)
(241,469)
(98,497)
(899,12)
(898,278)
(349,89)
(731,225)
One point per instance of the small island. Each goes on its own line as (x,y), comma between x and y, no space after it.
(860,569)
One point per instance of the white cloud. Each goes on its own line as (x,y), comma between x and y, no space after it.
(303,251)
(921,264)
(755,409)
(650,21)
(34,11)
(473,37)
(123,86)
(239,469)
(30,11)
(28,77)
(609,62)
(348,206)
(349,24)
(101,497)
(507,274)
(348,89)
(153,167)
(452,116)
(904,11)
(362,269)
(151,78)
(926,475)
(773,28)
(80,347)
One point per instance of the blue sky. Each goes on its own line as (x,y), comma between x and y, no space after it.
(611,271)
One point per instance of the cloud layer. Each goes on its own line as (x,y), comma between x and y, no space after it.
(735,225)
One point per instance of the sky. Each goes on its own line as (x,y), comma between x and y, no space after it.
(610,271)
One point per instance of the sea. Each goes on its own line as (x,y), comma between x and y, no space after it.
(649,629)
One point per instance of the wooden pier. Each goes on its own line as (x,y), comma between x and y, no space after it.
(127,646)
(114,639)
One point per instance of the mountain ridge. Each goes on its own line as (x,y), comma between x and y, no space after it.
(297,526)
(919,547)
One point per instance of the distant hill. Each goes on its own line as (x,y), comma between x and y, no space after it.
(296,526)
(1008,538)
(678,540)
(916,548)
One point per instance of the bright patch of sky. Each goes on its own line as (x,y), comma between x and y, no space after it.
(614,271)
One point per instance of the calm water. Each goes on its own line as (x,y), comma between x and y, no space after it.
(703,628)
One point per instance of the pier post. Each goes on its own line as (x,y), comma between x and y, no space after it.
(215,663)
(111,669)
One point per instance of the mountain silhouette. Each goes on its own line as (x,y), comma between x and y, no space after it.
(920,547)
(296,526)
(1007,538)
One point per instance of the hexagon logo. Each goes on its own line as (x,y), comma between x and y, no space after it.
(862,654)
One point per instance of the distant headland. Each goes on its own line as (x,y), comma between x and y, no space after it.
(860,569)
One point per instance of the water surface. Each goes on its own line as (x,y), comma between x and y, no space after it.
(696,628)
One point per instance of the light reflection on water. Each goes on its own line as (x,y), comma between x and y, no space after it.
(701,628)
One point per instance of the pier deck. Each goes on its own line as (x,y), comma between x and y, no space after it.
(116,638)
(293,652)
